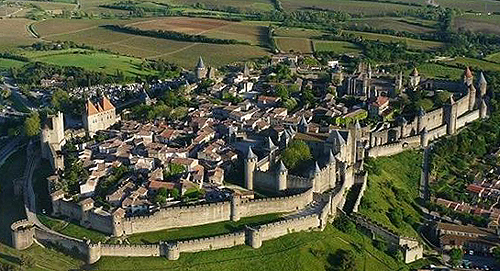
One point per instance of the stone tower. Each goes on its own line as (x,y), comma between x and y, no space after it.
(424,138)
(281,175)
(468,77)
(472,97)
(482,85)
(399,82)
(246,70)
(451,112)
(250,165)
(23,233)
(414,79)
(52,139)
(332,165)
(483,109)
(201,70)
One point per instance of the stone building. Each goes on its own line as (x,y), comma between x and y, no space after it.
(99,116)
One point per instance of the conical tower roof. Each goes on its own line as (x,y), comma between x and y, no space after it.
(250,154)
(282,167)
(200,65)
(414,72)
(482,80)
(339,137)
(468,72)
(269,144)
(331,159)
(317,170)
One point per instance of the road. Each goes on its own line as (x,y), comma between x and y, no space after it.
(9,83)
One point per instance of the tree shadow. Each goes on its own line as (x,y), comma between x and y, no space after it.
(10,259)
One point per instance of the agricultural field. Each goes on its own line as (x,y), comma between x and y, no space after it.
(297,32)
(288,44)
(412,43)
(478,23)
(91,60)
(253,33)
(387,190)
(247,5)
(396,24)
(433,70)
(13,32)
(494,58)
(338,47)
(475,63)
(349,6)
(182,53)
(297,251)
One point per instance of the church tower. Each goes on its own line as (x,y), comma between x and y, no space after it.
(414,79)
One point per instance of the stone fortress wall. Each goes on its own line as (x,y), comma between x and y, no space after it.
(326,187)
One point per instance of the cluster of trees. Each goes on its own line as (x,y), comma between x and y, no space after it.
(171,35)
(297,157)
(58,45)
(172,105)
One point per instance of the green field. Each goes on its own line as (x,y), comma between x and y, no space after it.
(297,251)
(397,24)
(494,58)
(338,47)
(201,231)
(91,60)
(44,259)
(433,70)
(411,43)
(301,45)
(476,63)
(387,190)
(6,63)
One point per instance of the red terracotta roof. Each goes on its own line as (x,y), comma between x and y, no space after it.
(91,110)
(468,72)
(106,104)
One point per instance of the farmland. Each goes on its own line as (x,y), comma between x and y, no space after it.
(412,43)
(338,47)
(301,45)
(253,33)
(433,70)
(478,23)
(259,5)
(13,33)
(350,6)
(396,24)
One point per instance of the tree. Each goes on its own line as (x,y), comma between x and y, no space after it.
(6,267)
(32,124)
(343,260)
(496,254)
(161,196)
(456,256)
(26,261)
(296,153)
(174,193)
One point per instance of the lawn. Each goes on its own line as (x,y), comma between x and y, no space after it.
(72,229)
(297,251)
(201,231)
(301,45)
(338,47)
(494,58)
(44,259)
(387,190)
(297,32)
(411,43)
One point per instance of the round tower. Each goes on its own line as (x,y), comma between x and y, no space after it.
(254,237)
(424,138)
(235,212)
(332,165)
(472,97)
(282,174)
(201,70)
(250,165)
(451,116)
(414,79)
(173,252)
(420,120)
(483,109)
(93,252)
(23,233)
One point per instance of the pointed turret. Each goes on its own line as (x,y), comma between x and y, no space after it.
(421,111)
(482,79)
(250,154)
(303,126)
(200,64)
(451,100)
(246,70)
(414,72)
(483,85)
(317,170)
(339,138)
(282,167)
(468,77)
(269,145)
(331,158)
